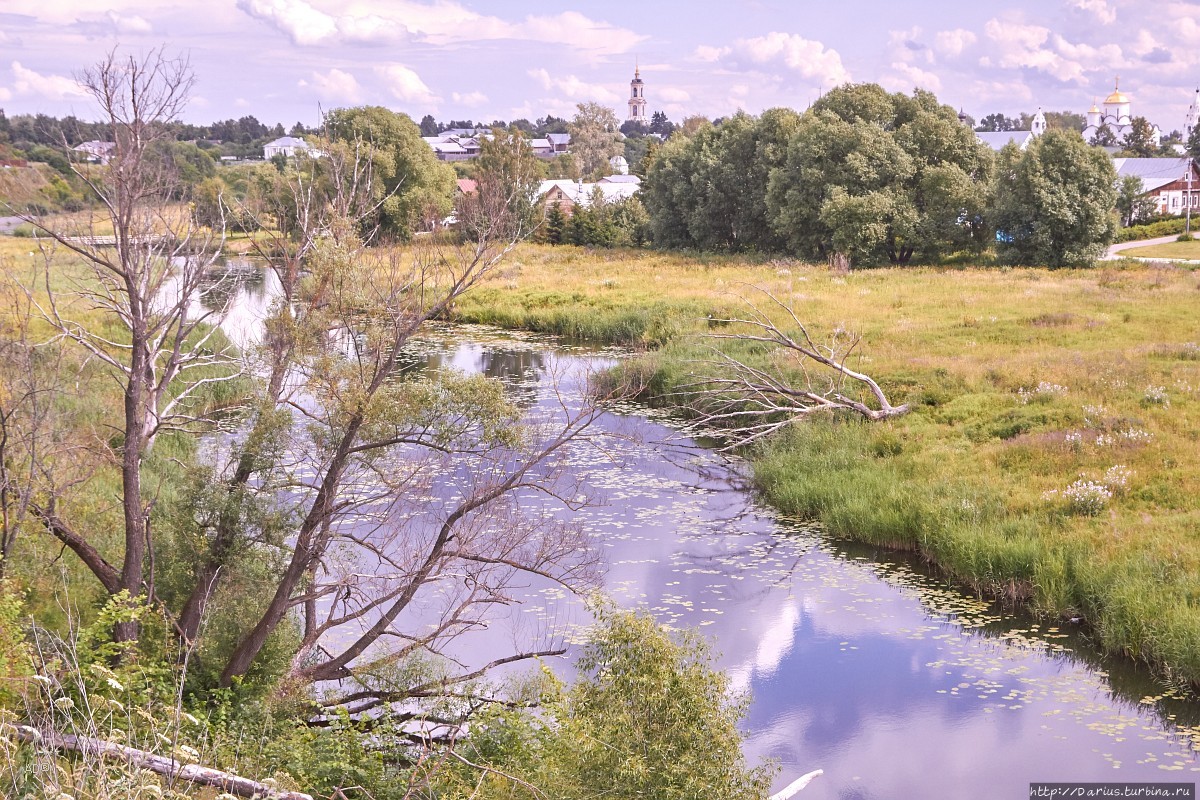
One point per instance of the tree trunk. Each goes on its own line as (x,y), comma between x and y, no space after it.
(162,765)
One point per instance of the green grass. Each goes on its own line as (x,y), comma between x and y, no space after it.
(1184,251)
(974,477)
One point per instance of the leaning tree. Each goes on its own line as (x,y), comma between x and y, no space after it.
(364,517)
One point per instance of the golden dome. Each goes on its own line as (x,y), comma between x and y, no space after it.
(1117,97)
(1094,109)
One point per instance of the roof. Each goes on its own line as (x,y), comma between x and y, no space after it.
(559,138)
(467,186)
(1116,97)
(95,146)
(541,144)
(621,179)
(287,141)
(1154,172)
(997,139)
(581,193)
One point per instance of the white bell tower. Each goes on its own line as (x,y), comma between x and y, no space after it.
(637,98)
(1038,126)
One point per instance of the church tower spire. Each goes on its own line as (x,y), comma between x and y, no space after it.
(637,97)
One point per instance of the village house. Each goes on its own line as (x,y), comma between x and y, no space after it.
(95,152)
(284,145)
(464,144)
(1165,181)
(567,194)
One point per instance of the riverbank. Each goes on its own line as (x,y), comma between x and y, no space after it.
(1049,457)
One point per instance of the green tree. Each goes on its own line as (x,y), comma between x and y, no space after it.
(649,717)
(1053,201)
(1133,206)
(1139,141)
(414,187)
(556,225)
(594,137)
(507,176)
(1192,145)
(1065,121)
(660,124)
(860,151)
(998,122)
(429,126)
(709,190)
(1104,137)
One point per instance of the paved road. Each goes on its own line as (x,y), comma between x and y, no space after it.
(1114,251)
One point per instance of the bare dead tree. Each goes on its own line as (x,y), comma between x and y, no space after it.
(749,402)
(148,274)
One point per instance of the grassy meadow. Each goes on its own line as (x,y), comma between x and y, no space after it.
(1051,454)
(1183,251)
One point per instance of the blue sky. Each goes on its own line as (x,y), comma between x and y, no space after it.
(283,60)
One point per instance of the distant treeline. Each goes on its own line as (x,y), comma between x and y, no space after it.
(238,137)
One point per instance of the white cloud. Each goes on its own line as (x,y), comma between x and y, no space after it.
(1004,91)
(576,30)
(1024,46)
(1100,9)
(51,87)
(299,20)
(710,54)
(904,77)
(406,85)
(443,22)
(671,94)
(336,85)
(578,90)
(5,94)
(470,99)
(132,24)
(808,58)
(952,43)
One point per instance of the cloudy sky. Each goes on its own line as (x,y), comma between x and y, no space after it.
(284,60)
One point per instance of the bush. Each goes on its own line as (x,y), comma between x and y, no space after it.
(1134,233)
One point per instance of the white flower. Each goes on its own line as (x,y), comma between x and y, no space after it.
(1087,497)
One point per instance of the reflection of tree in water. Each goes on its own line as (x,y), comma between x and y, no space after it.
(231,277)
(519,370)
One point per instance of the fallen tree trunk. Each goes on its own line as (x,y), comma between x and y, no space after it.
(747,402)
(163,765)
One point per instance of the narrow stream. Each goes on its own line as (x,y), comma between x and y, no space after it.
(859,662)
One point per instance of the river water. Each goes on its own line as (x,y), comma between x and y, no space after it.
(858,662)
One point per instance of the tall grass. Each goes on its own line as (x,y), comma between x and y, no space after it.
(1028,387)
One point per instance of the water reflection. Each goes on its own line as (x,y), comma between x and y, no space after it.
(859,663)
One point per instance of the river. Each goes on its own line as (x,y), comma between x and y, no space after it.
(858,662)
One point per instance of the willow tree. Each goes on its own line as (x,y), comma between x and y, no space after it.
(903,163)
(354,497)
(1053,202)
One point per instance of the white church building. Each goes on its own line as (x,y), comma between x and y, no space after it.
(1117,116)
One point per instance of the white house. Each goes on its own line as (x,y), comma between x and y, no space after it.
(95,152)
(287,145)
